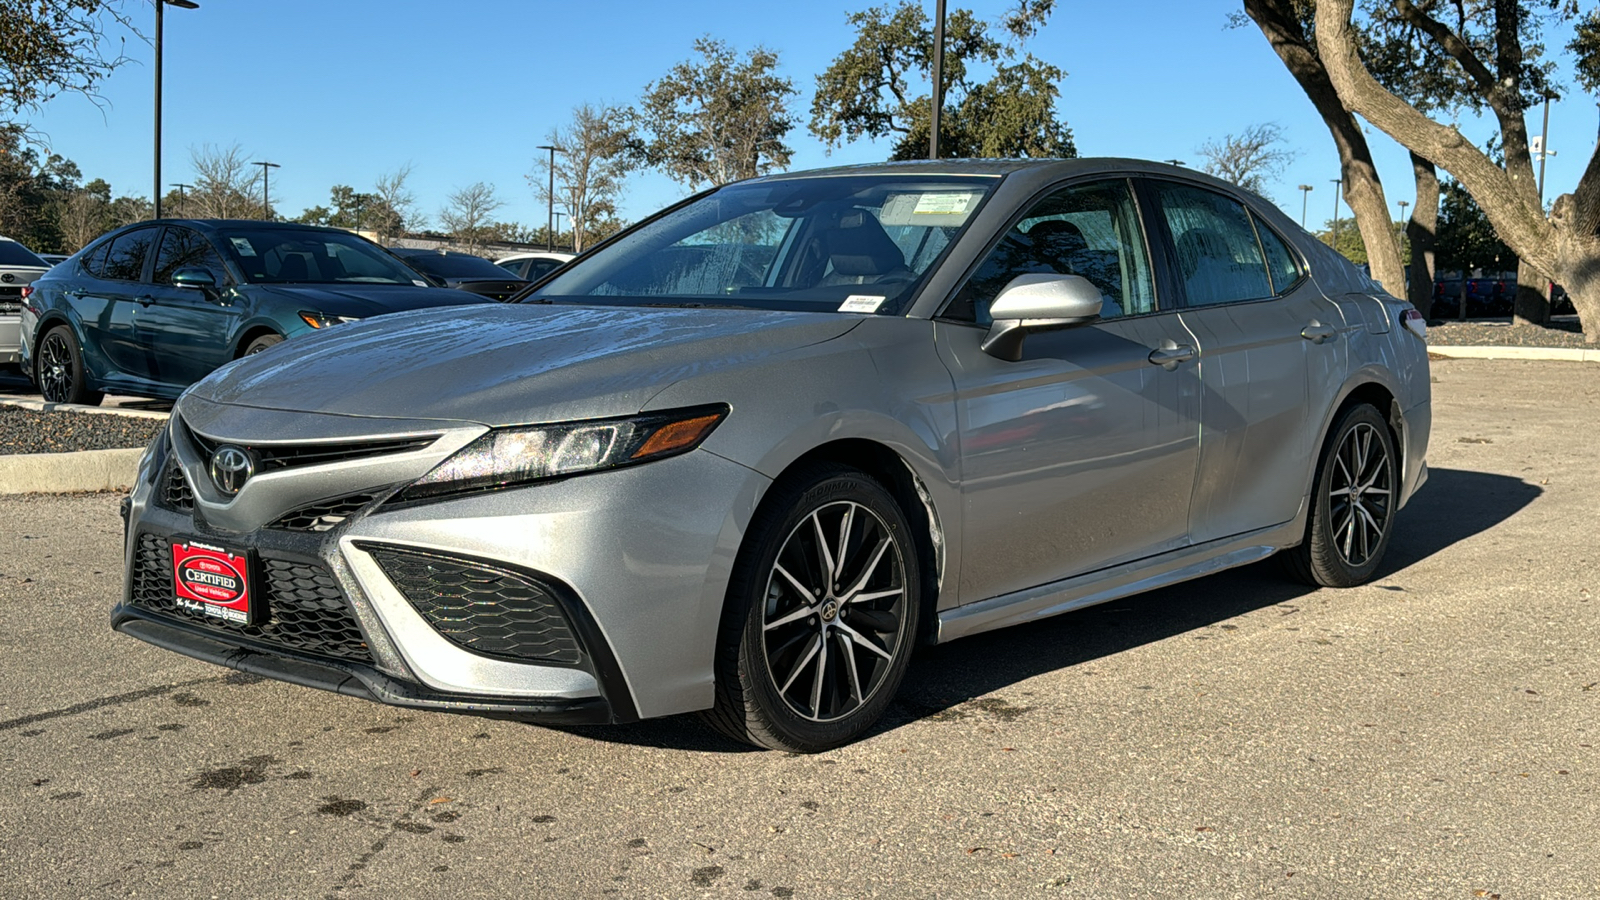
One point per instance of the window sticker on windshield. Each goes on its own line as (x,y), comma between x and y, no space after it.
(943,204)
(419,282)
(861,303)
(243,246)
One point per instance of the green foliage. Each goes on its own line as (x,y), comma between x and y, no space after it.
(350,209)
(715,119)
(880,87)
(589,169)
(1466,239)
(1585,46)
(1353,247)
(48,47)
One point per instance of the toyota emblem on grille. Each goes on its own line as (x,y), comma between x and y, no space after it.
(231,467)
(8,278)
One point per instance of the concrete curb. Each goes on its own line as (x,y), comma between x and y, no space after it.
(1562,354)
(61,473)
(44,406)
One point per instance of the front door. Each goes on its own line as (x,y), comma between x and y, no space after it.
(1082,454)
(186,330)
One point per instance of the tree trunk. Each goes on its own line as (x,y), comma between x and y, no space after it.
(1423,233)
(1577,268)
(1362,189)
(1532,303)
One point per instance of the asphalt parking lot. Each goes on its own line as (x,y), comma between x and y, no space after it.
(1433,734)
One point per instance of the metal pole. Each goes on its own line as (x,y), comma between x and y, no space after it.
(1544,147)
(1305,198)
(266,204)
(181,204)
(159,7)
(558,220)
(938,80)
(550,210)
(1333,234)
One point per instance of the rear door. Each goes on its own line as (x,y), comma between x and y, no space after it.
(1082,454)
(108,301)
(1265,334)
(186,331)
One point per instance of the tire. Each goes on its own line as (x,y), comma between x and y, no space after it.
(59,370)
(261,343)
(805,671)
(1345,541)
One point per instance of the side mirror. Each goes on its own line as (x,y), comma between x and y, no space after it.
(194,277)
(1038,302)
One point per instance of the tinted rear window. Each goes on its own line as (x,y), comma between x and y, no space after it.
(14,254)
(455,266)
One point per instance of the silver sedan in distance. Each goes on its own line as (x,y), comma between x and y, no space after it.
(747,455)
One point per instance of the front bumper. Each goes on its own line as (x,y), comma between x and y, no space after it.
(635,560)
(10,340)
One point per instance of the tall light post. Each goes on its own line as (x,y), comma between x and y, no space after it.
(1543,150)
(1403,204)
(266,204)
(937,110)
(1333,230)
(558,221)
(1305,198)
(550,226)
(181,186)
(160,7)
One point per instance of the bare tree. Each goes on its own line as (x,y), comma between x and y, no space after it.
(589,169)
(48,47)
(82,217)
(1249,159)
(224,184)
(396,205)
(468,215)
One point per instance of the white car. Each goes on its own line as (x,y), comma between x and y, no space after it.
(18,269)
(532,266)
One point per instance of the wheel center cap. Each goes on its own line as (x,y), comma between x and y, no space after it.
(830,611)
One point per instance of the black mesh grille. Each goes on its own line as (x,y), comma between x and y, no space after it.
(175,493)
(305,610)
(324,515)
(284,456)
(481,608)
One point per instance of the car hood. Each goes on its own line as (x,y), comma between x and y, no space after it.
(362,300)
(510,364)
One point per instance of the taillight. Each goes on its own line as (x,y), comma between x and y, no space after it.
(1412,321)
(27,291)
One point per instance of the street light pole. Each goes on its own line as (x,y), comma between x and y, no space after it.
(266,204)
(1544,147)
(181,204)
(1403,205)
(550,225)
(937,110)
(1305,198)
(1333,230)
(558,221)
(160,7)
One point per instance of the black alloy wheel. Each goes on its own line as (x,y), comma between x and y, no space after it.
(60,371)
(821,614)
(1353,505)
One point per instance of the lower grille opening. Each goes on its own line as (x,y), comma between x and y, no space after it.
(324,515)
(482,608)
(305,610)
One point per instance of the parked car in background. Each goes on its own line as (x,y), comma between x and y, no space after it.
(153,307)
(54,258)
(19,268)
(745,456)
(533,266)
(462,271)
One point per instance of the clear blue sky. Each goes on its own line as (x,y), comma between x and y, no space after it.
(341,91)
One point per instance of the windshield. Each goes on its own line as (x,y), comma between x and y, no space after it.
(14,254)
(856,243)
(290,256)
(454,266)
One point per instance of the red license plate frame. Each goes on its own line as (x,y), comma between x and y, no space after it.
(214,581)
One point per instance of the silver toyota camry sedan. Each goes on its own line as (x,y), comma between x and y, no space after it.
(746,456)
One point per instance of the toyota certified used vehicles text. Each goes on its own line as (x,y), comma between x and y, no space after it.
(747,455)
(153,307)
(19,268)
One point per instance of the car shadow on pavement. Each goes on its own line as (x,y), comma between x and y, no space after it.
(955,681)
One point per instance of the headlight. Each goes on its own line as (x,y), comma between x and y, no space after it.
(321,320)
(524,454)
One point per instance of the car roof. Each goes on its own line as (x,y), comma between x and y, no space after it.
(253,224)
(982,167)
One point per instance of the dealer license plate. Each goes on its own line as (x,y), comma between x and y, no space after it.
(213,581)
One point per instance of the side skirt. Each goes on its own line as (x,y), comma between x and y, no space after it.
(1118,582)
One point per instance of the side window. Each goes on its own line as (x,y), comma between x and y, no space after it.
(538,268)
(125,261)
(182,248)
(1281,264)
(1089,230)
(94,262)
(1219,259)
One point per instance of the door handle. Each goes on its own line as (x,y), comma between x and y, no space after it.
(146,300)
(1169,357)
(1318,333)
